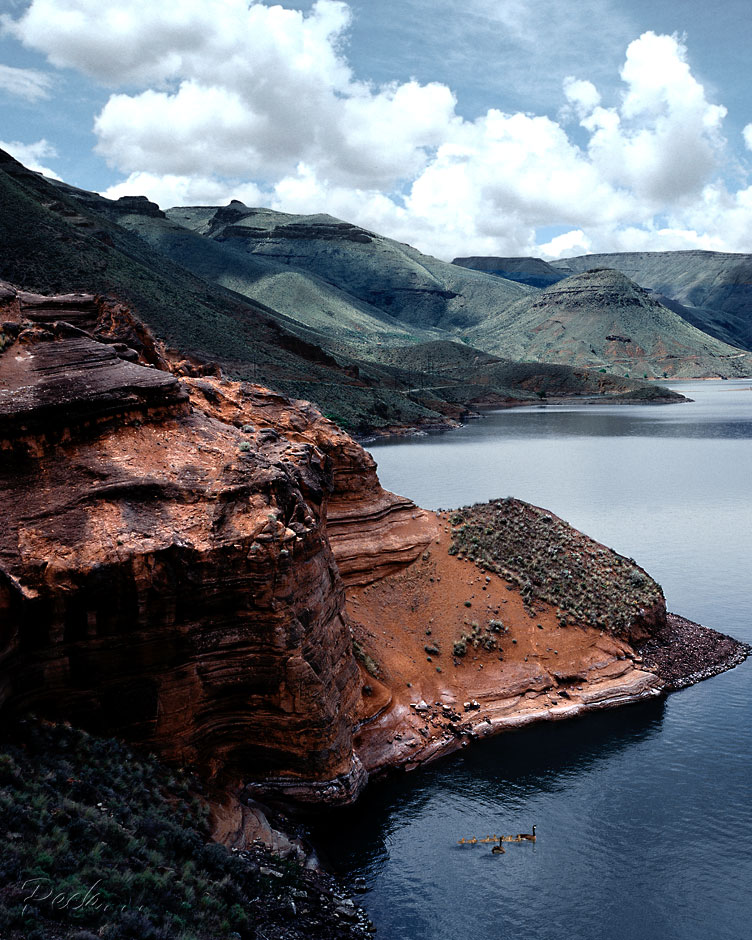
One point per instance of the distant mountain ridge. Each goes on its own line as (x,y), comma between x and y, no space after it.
(416,290)
(714,288)
(531,271)
(600,319)
(303,304)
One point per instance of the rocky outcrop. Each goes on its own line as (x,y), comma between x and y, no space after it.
(138,205)
(175,555)
(372,532)
(165,573)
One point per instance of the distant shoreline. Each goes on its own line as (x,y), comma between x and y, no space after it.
(437,427)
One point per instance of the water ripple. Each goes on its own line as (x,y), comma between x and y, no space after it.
(643,815)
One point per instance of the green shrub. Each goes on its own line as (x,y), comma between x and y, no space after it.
(88,815)
(547,560)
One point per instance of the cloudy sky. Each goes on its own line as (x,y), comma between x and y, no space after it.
(460,126)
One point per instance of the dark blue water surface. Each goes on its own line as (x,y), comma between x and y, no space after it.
(643,814)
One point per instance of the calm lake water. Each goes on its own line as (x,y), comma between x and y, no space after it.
(643,814)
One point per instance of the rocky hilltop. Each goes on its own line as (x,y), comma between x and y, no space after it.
(711,289)
(602,319)
(213,571)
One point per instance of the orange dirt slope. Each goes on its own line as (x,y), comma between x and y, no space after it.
(417,710)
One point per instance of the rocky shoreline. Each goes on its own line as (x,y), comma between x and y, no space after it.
(456,649)
(683,653)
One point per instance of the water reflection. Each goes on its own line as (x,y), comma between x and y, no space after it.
(486,785)
(643,814)
(711,415)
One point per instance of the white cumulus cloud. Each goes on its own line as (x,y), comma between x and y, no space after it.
(665,139)
(216,98)
(31,155)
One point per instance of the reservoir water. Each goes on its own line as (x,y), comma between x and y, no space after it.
(643,814)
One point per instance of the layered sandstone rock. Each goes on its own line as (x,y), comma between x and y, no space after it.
(164,570)
(458,652)
(372,532)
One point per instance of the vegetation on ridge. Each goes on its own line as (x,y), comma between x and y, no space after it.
(551,561)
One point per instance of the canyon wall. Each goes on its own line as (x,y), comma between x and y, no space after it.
(164,567)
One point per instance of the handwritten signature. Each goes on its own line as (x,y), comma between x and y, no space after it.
(42,890)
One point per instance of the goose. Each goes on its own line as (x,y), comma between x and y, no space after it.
(498,849)
(528,836)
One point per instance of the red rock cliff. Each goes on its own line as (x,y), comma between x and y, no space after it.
(164,567)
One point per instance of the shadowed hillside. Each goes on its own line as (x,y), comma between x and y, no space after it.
(532,271)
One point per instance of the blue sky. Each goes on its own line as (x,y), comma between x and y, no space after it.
(474,127)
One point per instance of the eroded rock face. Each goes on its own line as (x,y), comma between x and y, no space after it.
(164,567)
(372,532)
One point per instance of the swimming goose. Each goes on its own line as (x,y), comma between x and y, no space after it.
(498,849)
(528,836)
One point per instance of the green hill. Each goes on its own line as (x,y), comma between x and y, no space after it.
(409,287)
(714,288)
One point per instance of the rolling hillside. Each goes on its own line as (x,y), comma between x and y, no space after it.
(406,286)
(303,305)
